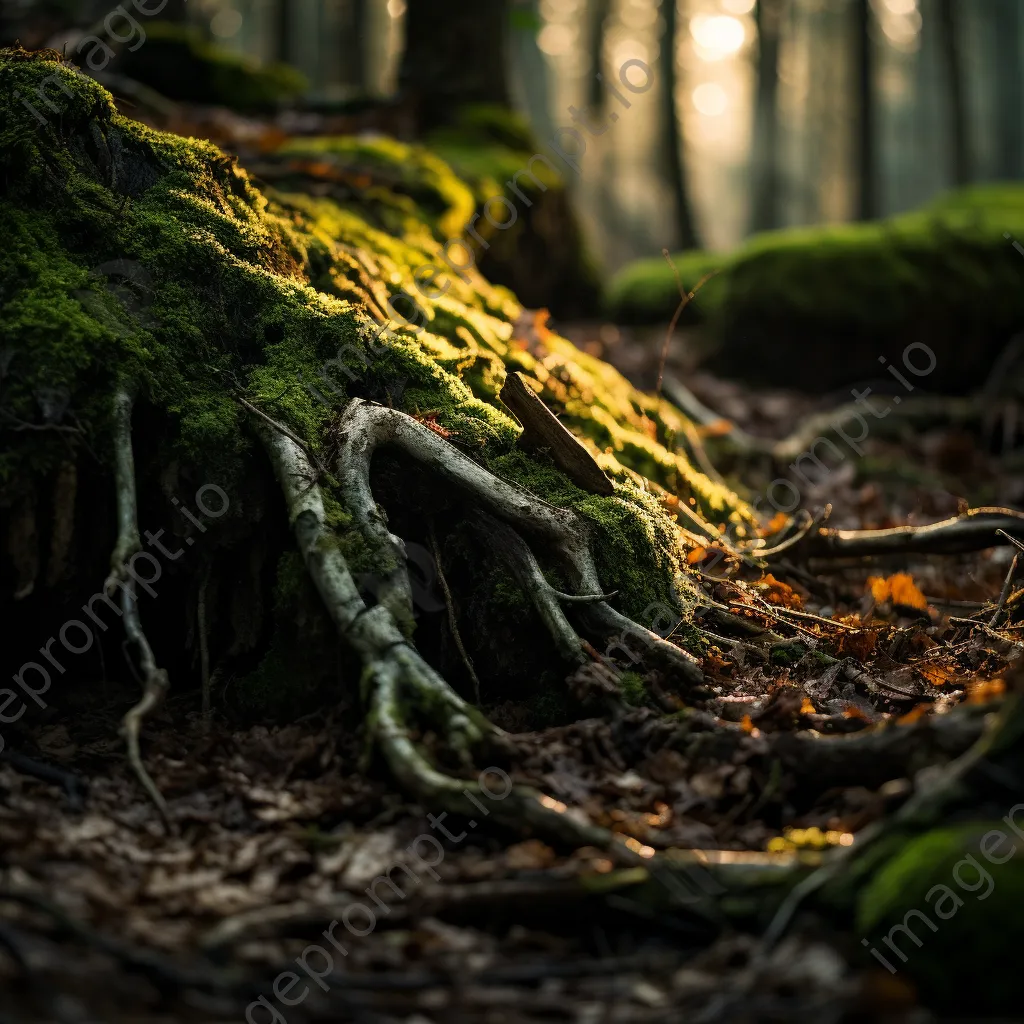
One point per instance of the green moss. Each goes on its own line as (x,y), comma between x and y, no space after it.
(945,276)
(634,689)
(407,180)
(273,297)
(179,62)
(969,938)
(539,250)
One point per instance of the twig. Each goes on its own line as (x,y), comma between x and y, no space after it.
(1005,592)
(466,660)
(976,529)
(798,537)
(322,469)
(684,301)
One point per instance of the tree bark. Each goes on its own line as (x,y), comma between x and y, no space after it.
(956,117)
(453,57)
(765,212)
(671,131)
(864,121)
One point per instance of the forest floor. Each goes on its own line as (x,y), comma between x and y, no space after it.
(281,829)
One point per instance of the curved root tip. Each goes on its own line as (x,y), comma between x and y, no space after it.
(156,687)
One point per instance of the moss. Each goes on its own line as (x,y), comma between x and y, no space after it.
(179,62)
(541,253)
(408,181)
(634,689)
(276,297)
(969,938)
(945,276)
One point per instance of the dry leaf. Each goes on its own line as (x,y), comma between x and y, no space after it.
(898,589)
(777,592)
(937,675)
(857,645)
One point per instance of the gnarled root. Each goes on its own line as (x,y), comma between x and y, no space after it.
(397,680)
(154,679)
(365,427)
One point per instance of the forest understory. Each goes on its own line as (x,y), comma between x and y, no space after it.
(278,830)
(492,659)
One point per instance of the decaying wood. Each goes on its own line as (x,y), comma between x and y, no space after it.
(541,429)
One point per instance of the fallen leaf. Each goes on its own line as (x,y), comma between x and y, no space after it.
(777,592)
(898,589)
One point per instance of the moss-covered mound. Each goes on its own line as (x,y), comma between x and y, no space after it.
(181,64)
(132,255)
(398,186)
(944,911)
(785,305)
(542,255)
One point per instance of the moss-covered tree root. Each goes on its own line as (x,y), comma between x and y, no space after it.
(399,685)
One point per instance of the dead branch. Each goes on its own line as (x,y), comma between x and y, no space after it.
(974,530)
(541,429)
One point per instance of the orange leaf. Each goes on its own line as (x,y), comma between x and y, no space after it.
(937,675)
(696,555)
(718,428)
(806,707)
(777,592)
(746,724)
(776,523)
(899,589)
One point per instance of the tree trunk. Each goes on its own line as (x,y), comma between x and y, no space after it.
(765,211)
(596,92)
(359,25)
(950,27)
(453,59)
(671,131)
(533,84)
(864,120)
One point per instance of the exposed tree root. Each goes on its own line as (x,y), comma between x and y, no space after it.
(397,681)
(921,811)
(154,679)
(516,553)
(365,427)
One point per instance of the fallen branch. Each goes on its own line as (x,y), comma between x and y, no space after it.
(974,530)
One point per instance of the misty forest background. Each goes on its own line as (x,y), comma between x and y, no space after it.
(786,112)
